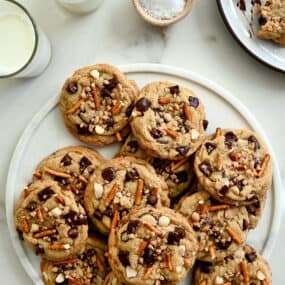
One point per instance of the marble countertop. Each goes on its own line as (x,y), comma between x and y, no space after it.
(116,34)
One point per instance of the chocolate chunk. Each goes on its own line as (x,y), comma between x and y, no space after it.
(66,160)
(244,225)
(32,206)
(97,215)
(152,199)
(124,258)
(174,89)
(132,175)
(20,234)
(39,250)
(160,164)
(74,218)
(182,176)
(61,181)
(262,21)
(133,145)
(129,110)
(72,87)
(239,184)
(143,104)
(194,102)
(210,147)
(109,174)
(251,257)
(84,131)
(105,93)
(149,257)
(224,190)
(242,6)
(253,140)
(113,82)
(45,194)
(230,138)
(132,226)
(257,162)
(206,267)
(88,254)
(176,236)
(182,150)
(206,168)
(109,122)
(109,212)
(84,163)
(156,133)
(205,124)
(73,233)
(223,245)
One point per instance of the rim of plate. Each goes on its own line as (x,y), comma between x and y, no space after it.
(240,42)
(140,68)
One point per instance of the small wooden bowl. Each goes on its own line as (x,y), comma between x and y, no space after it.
(162,22)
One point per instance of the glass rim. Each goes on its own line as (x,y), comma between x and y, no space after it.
(36,39)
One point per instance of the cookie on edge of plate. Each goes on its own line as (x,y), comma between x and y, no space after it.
(168,120)
(221,229)
(50,221)
(234,166)
(96,102)
(245,266)
(120,185)
(153,244)
(71,167)
(88,267)
(177,174)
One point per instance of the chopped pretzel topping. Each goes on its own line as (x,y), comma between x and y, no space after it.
(203,282)
(75,107)
(60,200)
(139,192)
(218,132)
(176,165)
(96,98)
(83,179)
(59,246)
(115,219)
(111,194)
(39,215)
(57,173)
(168,261)
(233,156)
(187,112)
(218,208)
(147,273)
(44,233)
(153,229)
(203,208)
(66,261)
(234,235)
(212,251)
(244,271)
(220,162)
(117,108)
(99,263)
(37,174)
(74,280)
(165,100)
(25,226)
(142,247)
(26,192)
(263,165)
(119,136)
(264,282)
(172,133)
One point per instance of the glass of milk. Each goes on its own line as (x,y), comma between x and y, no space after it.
(25,51)
(80,6)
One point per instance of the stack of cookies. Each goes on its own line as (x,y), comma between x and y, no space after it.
(170,200)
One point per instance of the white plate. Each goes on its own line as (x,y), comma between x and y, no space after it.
(239,24)
(46,133)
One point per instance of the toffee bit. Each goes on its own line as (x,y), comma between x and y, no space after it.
(244,271)
(56,173)
(233,156)
(234,235)
(172,133)
(168,261)
(212,251)
(187,112)
(75,107)
(111,194)
(139,192)
(165,100)
(115,219)
(96,98)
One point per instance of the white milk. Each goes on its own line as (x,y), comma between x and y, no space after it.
(80,6)
(24,49)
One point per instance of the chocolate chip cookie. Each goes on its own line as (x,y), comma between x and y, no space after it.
(51,221)
(234,166)
(255,211)
(111,279)
(120,185)
(96,102)
(89,267)
(245,266)
(154,246)
(168,120)
(220,228)
(177,174)
(70,167)
(272,21)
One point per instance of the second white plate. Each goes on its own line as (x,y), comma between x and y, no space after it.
(46,133)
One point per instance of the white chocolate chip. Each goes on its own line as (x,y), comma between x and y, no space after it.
(130,272)
(56,212)
(99,130)
(66,246)
(95,74)
(163,221)
(195,217)
(34,228)
(219,280)
(59,278)
(148,219)
(179,269)
(98,189)
(260,275)
(194,134)
(181,250)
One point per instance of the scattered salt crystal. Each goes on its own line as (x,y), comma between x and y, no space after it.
(163,9)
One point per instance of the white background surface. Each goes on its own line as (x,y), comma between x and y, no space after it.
(115,34)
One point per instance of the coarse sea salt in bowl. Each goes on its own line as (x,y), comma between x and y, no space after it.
(163,12)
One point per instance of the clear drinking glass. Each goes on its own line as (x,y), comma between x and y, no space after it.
(80,6)
(25,50)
